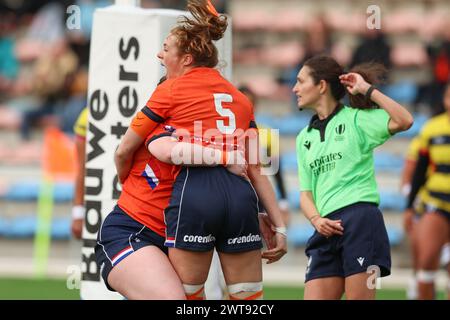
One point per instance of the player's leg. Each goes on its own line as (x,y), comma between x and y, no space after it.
(243,274)
(412,291)
(133,260)
(360,286)
(433,230)
(192,268)
(239,242)
(193,217)
(328,288)
(146,274)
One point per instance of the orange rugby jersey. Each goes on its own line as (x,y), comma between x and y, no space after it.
(200,103)
(147,189)
(202,94)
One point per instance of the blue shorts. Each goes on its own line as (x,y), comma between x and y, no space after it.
(365,243)
(118,237)
(211,207)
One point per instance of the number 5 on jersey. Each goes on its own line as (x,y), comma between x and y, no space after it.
(220,98)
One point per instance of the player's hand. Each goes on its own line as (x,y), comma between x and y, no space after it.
(279,251)
(408,220)
(236,163)
(327,227)
(354,83)
(265,228)
(77,228)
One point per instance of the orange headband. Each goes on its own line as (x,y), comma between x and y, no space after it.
(211,8)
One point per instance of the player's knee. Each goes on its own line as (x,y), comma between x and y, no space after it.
(426,276)
(194,291)
(428,260)
(246,291)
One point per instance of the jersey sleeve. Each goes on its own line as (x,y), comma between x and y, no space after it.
(156,111)
(80,127)
(373,124)
(159,105)
(304,175)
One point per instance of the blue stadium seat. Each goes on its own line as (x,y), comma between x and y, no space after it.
(288,124)
(392,200)
(61,228)
(266,120)
(299,234)
(29,191)
(294,199)
(21,227)
(292,125)
(23,191)
(63,192)
(395,235)
(289,161)
(25,227)
(403,92)
(3,226)
(384,161)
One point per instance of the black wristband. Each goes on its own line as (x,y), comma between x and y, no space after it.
(369,93)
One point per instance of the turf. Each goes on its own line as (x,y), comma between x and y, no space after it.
(30,289)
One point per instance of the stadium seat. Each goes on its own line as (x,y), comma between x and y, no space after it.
(29,191)
(266,119)
(25,227)
(290,20)
(289,161)
(3,226)
(395,235)
(61,228)
(406,55)
(294,199)
(21,227)
(392,200)
(298,234)
(23,191)
(283,55)
(63,192)
(249,20)
(387,162)
(292,125)
(402,92)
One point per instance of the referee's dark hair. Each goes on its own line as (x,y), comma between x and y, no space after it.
(324,67)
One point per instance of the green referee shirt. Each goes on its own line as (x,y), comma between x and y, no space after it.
(335,157)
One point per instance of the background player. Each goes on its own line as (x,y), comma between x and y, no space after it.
(433,229)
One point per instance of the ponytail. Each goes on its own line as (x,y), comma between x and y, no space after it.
(324,67)
(373,73)
(195,34)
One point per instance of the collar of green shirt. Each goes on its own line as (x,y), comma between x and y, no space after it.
(316,123)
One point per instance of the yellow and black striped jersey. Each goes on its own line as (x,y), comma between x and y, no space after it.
(434,143)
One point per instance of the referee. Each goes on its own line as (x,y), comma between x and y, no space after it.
(337,182)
